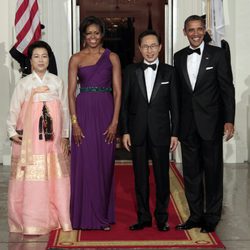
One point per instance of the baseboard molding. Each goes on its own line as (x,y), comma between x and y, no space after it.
(6,160)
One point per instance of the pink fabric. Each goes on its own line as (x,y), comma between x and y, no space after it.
(39,194)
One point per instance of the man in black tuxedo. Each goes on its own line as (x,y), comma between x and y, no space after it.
(149,124)
(207,110)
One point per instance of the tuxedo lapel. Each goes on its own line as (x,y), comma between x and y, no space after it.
(184,67)
(141,81)
(157,83)
(202,69)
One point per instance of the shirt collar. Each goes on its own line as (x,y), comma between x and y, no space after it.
(154,62)
(201,47)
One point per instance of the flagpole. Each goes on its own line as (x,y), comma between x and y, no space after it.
(169,31)
(208,17)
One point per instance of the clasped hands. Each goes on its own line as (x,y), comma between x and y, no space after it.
(40,89)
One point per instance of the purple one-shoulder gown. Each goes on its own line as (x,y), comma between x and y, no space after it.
(92,163)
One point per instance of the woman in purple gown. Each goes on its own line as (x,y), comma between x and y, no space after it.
(94,115)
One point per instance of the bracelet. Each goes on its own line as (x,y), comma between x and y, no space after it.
(73,119)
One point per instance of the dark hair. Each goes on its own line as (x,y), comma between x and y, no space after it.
(195,18)
(89,20)
(147,33)
(39,44)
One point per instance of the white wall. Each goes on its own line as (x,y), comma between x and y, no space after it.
(239,36)
(182,9)
(55,15)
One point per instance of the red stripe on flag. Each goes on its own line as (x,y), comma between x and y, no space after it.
(28,24)
(24,5)
(35,32)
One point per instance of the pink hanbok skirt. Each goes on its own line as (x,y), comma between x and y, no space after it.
(39,193)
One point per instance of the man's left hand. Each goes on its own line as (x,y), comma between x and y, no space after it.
(228,131)
(173,143)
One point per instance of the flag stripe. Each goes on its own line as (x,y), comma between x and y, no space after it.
(19,3)
(30,37)
(24,45)
(22,5)
(26,16)
(22,22)
(27,24)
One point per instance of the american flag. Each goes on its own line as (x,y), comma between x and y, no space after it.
(215,21)
(27,24)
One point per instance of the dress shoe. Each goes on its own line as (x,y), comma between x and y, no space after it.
(208,228)
(163,227)
(106,228)
(140,226)
(188,225)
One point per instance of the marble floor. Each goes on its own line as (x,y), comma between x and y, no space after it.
(233,230)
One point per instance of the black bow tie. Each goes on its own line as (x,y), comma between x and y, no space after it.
(191,51)
(145,66)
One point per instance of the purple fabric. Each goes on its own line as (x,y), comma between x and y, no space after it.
(92,163)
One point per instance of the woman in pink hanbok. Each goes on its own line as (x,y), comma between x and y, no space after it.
(39,187)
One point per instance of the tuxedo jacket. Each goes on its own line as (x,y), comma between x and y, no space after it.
(212,102)
(158,118)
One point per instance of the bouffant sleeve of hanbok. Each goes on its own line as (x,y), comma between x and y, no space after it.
(17,100)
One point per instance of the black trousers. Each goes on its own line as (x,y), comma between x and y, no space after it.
(203,177)
(160,159)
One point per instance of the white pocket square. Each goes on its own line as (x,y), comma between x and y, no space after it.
(164,82)
(208,68)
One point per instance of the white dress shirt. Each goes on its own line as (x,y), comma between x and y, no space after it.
(150,76)
(22,93)
(193,65)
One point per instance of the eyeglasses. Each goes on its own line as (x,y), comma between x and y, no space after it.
(152,47)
